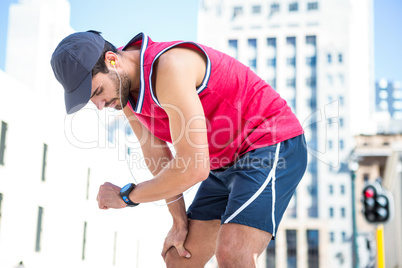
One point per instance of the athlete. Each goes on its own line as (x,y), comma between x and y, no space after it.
(230,130)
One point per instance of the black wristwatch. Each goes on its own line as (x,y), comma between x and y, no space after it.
(125,192)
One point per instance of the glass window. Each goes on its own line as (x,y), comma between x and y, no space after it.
(311,61)
(397,94)
(366,177)
(397,105)
(292,104)
(341,144)
(331,189)
(329,58)
(291,243)
(291,41)
(341,122)
(311,40)
(129,130)
(256,9)
(331,212)
(341,101)
(291,82)
(233,50)
(312,6)
(330,145)
(331,237)
(340,58)
(344,238)
(252,43)
(39,229)
(252,46)
(343,212)
(274,8)
(232,43)
(271,42)
(342,189)
(271,63)
(237,11)
(271,256)
(252,64)
(311,82)
(291,62)
(293,6)
(313,248)
(292,208)
(313,105)
(3,142)
(44,162)
(383,94)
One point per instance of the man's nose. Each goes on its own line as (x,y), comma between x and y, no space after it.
(100,104)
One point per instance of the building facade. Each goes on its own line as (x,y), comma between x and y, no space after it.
(51,164)
(380,159)
(318,56)
(388,106)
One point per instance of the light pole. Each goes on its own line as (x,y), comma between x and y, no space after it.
(353,166)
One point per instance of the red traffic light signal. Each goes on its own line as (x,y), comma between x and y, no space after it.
(376,203)
(369,193)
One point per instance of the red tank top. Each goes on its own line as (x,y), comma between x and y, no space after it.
(242,111)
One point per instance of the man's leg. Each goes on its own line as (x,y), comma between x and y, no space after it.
(239,245)
(200,242)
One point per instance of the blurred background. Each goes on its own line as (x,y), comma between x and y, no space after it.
(336,62)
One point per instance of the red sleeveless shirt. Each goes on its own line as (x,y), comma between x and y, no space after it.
(242,111)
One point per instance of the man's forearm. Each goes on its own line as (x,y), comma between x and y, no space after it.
(173,180)
(178,210)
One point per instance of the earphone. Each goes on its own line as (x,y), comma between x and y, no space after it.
(113,63)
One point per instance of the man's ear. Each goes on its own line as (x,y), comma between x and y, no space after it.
(110,58)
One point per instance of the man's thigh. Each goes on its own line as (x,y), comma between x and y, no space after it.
(200,242)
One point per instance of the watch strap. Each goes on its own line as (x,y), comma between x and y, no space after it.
(125,192)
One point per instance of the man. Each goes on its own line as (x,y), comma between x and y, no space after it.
(230,130)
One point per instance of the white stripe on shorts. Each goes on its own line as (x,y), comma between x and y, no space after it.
(271,175)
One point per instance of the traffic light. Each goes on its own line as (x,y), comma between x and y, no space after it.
(377,203)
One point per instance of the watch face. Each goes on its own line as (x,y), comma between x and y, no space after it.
(126,187)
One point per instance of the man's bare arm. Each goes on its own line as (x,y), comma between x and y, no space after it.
(179,72)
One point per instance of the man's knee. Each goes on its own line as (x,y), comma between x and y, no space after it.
(227,255)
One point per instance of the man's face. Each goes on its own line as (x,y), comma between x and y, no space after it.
(106,90)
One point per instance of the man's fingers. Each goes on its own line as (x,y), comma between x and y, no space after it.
(180,250)
(183,252)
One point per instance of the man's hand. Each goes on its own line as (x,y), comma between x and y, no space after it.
(176,238)
(109,196)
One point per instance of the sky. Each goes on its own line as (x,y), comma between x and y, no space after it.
(177,20)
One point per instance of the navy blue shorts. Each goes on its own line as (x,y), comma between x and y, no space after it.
(256,190)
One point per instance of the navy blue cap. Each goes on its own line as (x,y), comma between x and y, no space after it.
(72,63)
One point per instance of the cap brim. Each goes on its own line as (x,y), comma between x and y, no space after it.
(77,99)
